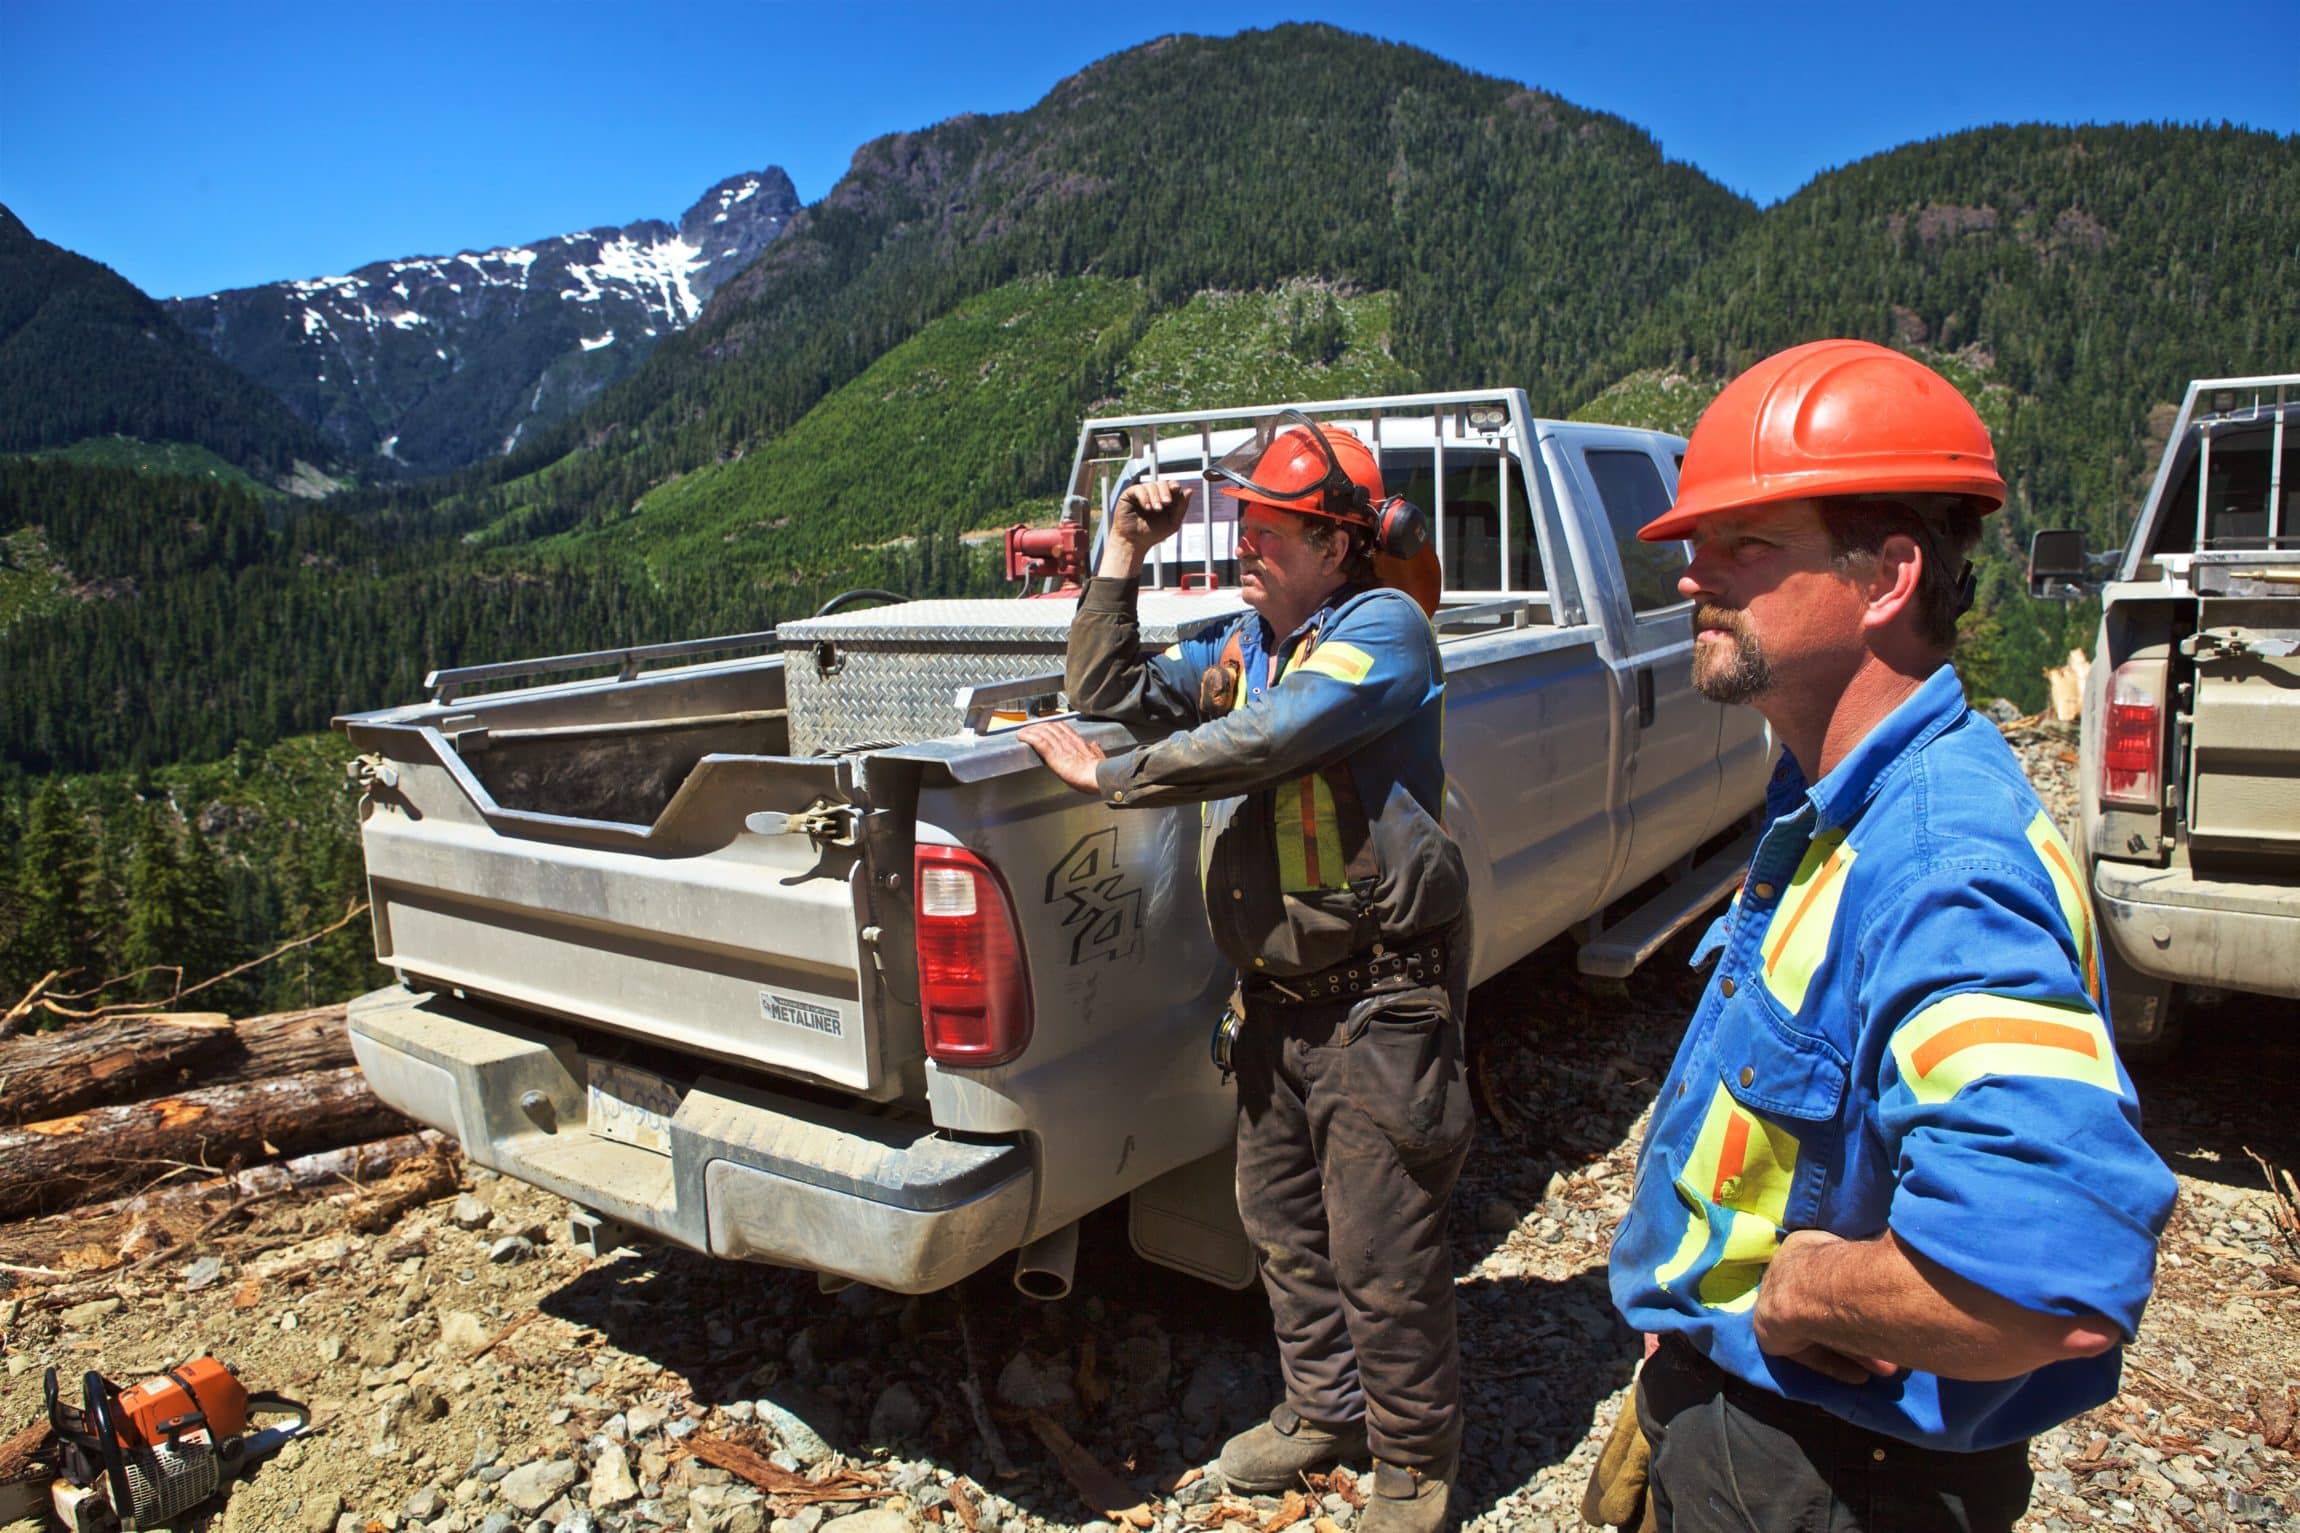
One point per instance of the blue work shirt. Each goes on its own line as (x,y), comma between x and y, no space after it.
(1307,773)
(1905,1029)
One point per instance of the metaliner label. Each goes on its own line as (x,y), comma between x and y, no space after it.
(797,1013)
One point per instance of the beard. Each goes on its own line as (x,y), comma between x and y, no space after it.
(1739,675)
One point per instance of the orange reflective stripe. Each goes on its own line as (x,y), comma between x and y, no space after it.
(1308,835)
(1343,662)
(1745,1164)
(1731,1157)
(1788,933)
(1796,941)
(1980,1030)
(1976,1036)
(1307,789)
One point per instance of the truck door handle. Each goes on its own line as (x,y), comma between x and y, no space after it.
(1645,697)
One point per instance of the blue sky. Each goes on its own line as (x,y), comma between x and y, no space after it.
(195,146)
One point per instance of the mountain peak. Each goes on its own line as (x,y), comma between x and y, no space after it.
(438,361)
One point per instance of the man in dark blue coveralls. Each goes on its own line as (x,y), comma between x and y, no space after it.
(1311,729)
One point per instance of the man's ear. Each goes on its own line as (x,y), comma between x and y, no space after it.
(1892,582)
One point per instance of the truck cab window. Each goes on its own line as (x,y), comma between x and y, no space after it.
(2235,498)
(1475,507)
(1630,486)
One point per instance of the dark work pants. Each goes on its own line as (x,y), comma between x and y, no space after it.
(1353,1122)
(1731,1458)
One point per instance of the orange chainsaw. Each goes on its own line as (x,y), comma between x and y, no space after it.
(142,1457)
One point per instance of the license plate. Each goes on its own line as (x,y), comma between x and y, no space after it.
(631,1106)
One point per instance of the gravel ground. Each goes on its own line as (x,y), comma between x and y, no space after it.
(472,1374)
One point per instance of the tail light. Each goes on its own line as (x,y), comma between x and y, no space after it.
(2132,736)
(973,991)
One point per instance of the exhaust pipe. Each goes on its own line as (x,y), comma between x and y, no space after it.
(1042,1268)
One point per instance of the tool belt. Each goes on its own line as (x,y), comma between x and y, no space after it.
(1383,966)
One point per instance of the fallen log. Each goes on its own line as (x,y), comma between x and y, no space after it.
(117,1059)
(107,1151)
(124,1059)
(284,1043)
(374,1177)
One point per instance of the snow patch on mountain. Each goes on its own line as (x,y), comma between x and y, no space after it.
(422,352)
(661,274)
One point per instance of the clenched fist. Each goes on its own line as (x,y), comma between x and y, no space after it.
(1146,515)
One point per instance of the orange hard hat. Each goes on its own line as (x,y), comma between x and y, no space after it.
(1831,418)
(1315,470)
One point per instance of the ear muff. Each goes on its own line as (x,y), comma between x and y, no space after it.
(1401,529)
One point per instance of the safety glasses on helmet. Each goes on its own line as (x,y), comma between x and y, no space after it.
(1288,461)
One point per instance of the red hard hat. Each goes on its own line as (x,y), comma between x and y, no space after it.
(1831,418)
(1292,471)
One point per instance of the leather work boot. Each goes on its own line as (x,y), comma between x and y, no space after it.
(1407,1500)
(1275,1455)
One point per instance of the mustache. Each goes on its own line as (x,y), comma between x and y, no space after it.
(1709,615)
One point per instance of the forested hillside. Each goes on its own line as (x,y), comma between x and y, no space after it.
(2070,279)
(84,354)
(1522,236)
(198,867)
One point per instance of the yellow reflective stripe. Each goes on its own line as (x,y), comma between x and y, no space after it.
(2075,908)
(1952,1043)
(1742,1161)
(1344,662)
(1797,938)
(1286,830)
(1689,1249)
(1326,837)
(1743,1165)
(1308,835)
(1731,1281)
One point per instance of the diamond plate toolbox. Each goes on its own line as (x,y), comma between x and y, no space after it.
(891,675)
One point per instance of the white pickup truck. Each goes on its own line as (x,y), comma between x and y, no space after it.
(657,931)
(2189,767)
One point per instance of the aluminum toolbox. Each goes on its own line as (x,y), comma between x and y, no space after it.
(892,675)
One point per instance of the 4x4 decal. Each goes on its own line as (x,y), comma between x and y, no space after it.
(1105,914)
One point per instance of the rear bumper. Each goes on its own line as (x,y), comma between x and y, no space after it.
(750,1175)
(2199,931)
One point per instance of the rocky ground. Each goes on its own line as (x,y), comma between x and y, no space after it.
(469,1373)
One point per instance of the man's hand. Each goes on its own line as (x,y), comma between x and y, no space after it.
(1146,515)
(1068,754)
(1784,1308)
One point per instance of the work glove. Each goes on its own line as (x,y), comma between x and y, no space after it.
(1615,1496)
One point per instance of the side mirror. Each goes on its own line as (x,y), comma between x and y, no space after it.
(2057,567)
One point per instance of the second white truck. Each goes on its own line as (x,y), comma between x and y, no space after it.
(660,936)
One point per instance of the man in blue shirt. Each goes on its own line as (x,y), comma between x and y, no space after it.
(1310,729)
(1893,1214)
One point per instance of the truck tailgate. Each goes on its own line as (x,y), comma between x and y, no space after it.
(707,931)
(2244,790)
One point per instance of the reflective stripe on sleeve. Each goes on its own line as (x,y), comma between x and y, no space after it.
(2075,907)
(1968,1037)
(1797,939)
(1344,662)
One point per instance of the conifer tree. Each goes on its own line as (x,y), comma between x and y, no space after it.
(56,880)
(176,914)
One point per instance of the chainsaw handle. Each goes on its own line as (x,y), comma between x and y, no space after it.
(98,1393)
(268,1402)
